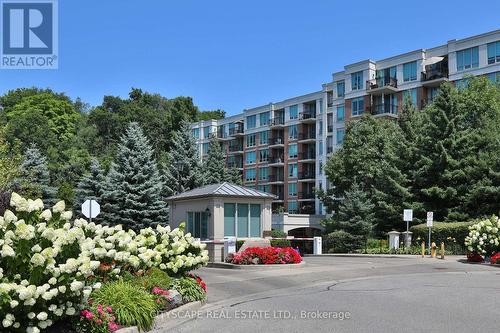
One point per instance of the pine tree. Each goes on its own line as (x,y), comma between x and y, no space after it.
(185,166)
(90,187)
(133,187)
(35,177)
(168,180)
(234,176)
(214,167)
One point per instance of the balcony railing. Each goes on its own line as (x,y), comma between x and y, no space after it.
(279,196)
(383,108)
(265,122)
(235,164)
(235,148)
(276,178)
(381,82)
(307,209)
(306,195)
(276,141)
(277,121)
(306,175)
(276,159)
(308,155)
(236,130)
(307,115)
(307,135)
(434,74)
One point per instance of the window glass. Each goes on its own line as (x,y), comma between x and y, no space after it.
(229,219)
(294,111)
(251,121)
(292,170)
(242,229)
(250,140)
(292,189)
(292,151)
(340,89)
(292,207)
(468,58)
(250,175)
(340,136)
(254,220)
(292,132)
(196,133)
(358,106)
(264,137)
(357,80)
(206,132)
(410,71)
(263,173)
(340,113)
(263,155)
(264,118)
(412,93)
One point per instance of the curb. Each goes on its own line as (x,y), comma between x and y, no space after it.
(162,319)
(359,255)
(226,265)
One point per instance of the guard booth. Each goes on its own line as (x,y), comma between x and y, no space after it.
(216,211)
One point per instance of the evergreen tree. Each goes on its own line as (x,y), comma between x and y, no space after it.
(185,166)
(214,167)
(168,180)
(35,178)
(349,230)
(234,176)
(90,186)
(133,187)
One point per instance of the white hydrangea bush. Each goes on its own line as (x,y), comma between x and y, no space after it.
(484,236)
(50,265)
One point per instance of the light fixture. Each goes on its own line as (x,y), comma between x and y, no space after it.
(208,212)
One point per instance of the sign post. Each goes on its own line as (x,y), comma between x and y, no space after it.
(430,219)
(90,209)
(407,217)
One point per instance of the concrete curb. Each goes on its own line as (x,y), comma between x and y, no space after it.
(162,319)
(226,265)
(359,255)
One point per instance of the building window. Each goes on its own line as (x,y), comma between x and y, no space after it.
(264,137)
(410,71)
(462,83)
(340,113)
(293,112)
(264,118)
(320,147)
(494,77)
(204,148)
(250,175)
(358,106)
(412,94)
(292,207)
(250,140)
(229,219)
(320,127)
(493,52)
(206,132)
(197,224)
(340,136)
(293,132)
(251,121)
(196,133)
(250,157)
(242,220)
(340,89)
(292,151)
(468,58)
(263,173)
(357,81)
(255,220)
(320,169)
(292,170)
(263,155)
(292,189)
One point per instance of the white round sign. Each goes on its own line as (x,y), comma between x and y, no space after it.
(91,208)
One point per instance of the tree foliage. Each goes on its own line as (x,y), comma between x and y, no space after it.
(90,186)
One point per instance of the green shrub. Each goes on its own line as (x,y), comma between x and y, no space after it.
(281,243)
(131,305)
(154,278)
(451,233)
(278,234)
(342,242)
(189,289)
(239,244)
(376,243)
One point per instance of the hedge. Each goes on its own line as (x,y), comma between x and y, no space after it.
(447,232)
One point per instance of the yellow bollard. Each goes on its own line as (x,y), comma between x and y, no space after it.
(433,250)
(423,249)
(442,250)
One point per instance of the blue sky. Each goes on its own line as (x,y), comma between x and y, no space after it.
(237,54)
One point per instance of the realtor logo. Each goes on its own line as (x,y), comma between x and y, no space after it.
(29,34)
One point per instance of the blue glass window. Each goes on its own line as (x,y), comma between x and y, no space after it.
(294,111)
(468,58)
(250,140)
(340,89)
(250,157)
(340,136)
(357,80)
(292,207)
(358,106)
(293,132)
(264,118)
(196,133)
(292,189)
(251,121)
(292,170)
(410,71)
(263,137)
(412,93)
(292,151)
(263,173)
(250,175)
(340,113)
(493,52)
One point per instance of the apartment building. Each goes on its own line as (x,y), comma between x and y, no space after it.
(281,147)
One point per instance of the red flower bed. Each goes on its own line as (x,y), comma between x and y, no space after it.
(495,259)
(474,257)
(265,256)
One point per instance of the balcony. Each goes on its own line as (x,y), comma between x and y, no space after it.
(308,195)
(308,156)
(276,161)
(307,176)
(434,77)
(307,137)
(307,209)
(330,128)
(307,116)
(382,85)
(276,142)
(276,179)
(329,149)
(279,197)
(235,149)
(235,164)
(236,131)
(384,109)
(277,122)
